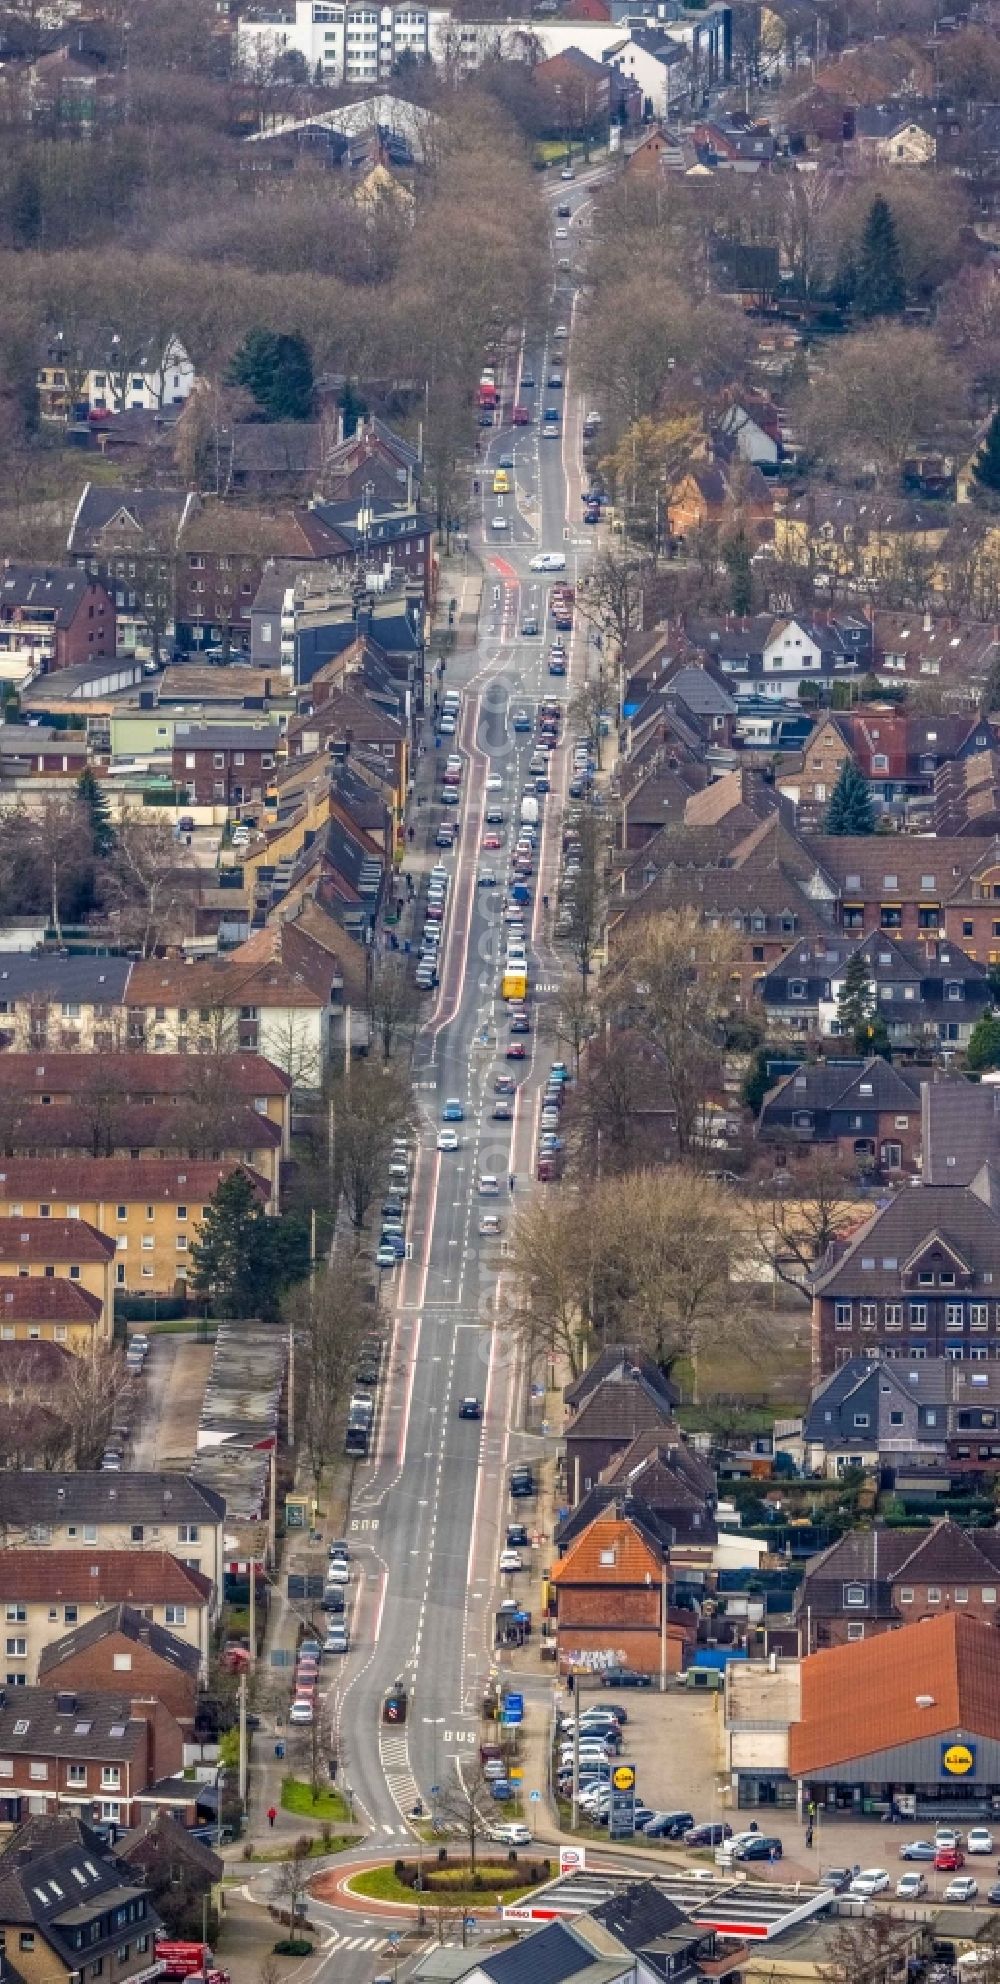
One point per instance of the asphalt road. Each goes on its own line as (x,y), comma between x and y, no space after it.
(430,1506)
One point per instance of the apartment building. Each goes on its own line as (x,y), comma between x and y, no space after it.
(88,1509)
(46,1591)
(53,1249)
(150,1210)
(70,1910)
(89,1752)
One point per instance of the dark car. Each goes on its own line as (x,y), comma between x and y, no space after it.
(837,1879)
(707,1835)
(520,1023)
(554,382)
(517,1536)
(592,514)
(759,1848)
(470,1408)
(669,1825)
(993,1894)
(522,1482)
(503,1111)
(564,210)
(628,1677)
(527,379)
(529,627)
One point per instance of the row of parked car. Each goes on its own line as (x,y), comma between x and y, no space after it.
(312,1652)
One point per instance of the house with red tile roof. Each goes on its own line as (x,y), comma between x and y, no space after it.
(612,1592)
(47,1592)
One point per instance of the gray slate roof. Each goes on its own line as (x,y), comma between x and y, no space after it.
(55,589)
(35,1496)
(124,1621)
(965,1219)
(91,1724)
(79,980)
(960,1131)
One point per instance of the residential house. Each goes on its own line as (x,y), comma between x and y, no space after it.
(221,554)
(658,66)
(960,1130)
(129,538)
(271,458)
(932,991)
(227,765)
(88,1751)
(66,1904)
(383,541)
(890,134)
(967,793)
(43,1309)
(775,657)
(178,1868)
(118,1649)
(670,1486)
(874,1580)
(914,648)
(862,1111)
(336,718)
(46,1591)
(52,617)
(57,1250)
(750,426)
(919,1279)
(275,995)
(87,1509)
(612,1597)
(151,1208)
(734,143)
(857,538)
(123,1080)
(618,1361)
(577,89)
(374,464)
(926,1424)
(604,1421)
(709,496)
(101,376)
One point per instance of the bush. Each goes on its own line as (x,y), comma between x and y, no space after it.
(293,1946)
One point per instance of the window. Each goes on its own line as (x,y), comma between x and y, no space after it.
(188,1532)
(906,1595)
(918,1315)
(26,1939)
(111,1777)
(979,1315)
(856,1629)
(954,1315)
(842,1315)
(869,1317)
(961,1594)
(16,1615)
(76,1773)
(17,1649)
(38,1770)
(861,1419)
(122,1663)
(175,1615)
(71,1615)
(855,1594)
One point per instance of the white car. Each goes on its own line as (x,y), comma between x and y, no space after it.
(498,522)
(946,1836)
(980,1840)
(447,1140)
(512,1835)
(561,331)
(510,1561)
(490,1225)
(872,1880)
(338,1572)
(301,1712)
(964,1888)
(494,784)
(910,1887)
(549,561)
(489,1185)
(562,233)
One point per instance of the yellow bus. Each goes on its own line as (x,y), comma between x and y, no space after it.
(501,482)
(515,981)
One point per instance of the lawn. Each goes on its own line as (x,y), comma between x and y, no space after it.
(380,1884)
(337,1842)
(297,1796)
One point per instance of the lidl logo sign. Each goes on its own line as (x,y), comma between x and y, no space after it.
(958,1759)
(623,1777)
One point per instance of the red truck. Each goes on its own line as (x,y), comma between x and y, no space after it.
(487,393)
(184,1959)
(521,416)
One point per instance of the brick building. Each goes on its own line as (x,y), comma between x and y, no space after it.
(612,1592)
(67,1905)
(225,764)
(920,1279)
(861,1111)
(52,616)
(45,1591)
(88,1751)
(874,1580)
(119,1649)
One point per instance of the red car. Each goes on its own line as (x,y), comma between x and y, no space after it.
(516,1051)
(948,1859)
(492,840)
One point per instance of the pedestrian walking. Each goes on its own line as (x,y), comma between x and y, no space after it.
(510,1181)
(272,1813)
(809,1833)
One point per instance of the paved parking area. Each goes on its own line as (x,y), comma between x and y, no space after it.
(173,1388)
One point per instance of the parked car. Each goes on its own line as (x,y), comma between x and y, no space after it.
(910,1887)
(707,1835)
(917,1849)
(760,1847)
(962,1889)
(948,1859)
(669,1825)
(626,1677)
(838,1879)
(979,1840)
(873,1880)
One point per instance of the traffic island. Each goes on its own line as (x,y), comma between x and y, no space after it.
(432,1885)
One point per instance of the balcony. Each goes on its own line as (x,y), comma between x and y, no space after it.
(732,1958)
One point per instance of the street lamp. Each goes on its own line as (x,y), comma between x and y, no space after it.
(435,1722)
